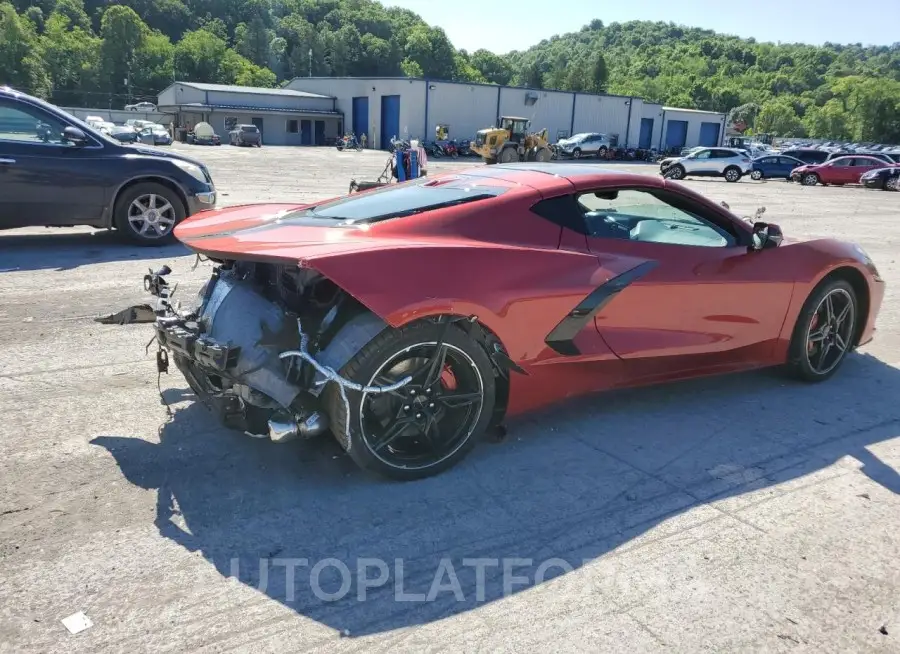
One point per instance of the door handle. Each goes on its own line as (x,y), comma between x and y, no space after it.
(7,161)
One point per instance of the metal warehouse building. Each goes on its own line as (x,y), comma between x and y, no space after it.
(411,108)
(284,116)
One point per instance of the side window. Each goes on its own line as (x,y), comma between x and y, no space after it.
(705,154)
(770,160)
(637,215)
(843,163)
(25,124)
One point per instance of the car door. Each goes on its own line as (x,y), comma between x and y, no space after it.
(786,165)
(700,163)
(842,170)
(45,179)
(862,165)
(703,300)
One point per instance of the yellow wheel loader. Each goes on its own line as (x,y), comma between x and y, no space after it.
(510,142)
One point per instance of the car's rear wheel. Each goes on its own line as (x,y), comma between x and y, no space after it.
(147,213)
(825,331)
(732,174)
(756,174)
(809,179)
(426,426)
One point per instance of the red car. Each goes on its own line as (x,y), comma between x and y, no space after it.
(413,318)
(841,170)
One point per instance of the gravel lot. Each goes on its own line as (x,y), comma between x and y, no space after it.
(743,513)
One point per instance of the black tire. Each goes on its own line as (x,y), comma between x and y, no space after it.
(576,153)
(802,352)
(543,155)
(124,208)
(756,175)
(809,179)
(732,174)
(675,172)
(601,153)
(367,366)
(508,155)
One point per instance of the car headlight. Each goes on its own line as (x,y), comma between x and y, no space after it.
(872,174)
(191,169)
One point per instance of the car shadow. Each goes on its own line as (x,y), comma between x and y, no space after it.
(566,487)
(59,250)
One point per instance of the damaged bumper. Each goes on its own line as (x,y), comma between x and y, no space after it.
(242,350)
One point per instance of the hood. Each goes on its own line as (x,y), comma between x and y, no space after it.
(228,220)
(164,154)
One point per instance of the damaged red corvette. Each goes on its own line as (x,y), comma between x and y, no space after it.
(412,319)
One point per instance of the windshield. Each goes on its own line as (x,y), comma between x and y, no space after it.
(399,200)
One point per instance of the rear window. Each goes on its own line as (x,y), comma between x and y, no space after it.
(249,128)
(399,200)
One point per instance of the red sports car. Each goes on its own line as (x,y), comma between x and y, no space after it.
(842,170)
(411,319)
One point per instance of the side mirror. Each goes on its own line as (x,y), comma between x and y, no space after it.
(766,235)
(75,135)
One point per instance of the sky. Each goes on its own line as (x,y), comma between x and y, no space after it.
(527,22)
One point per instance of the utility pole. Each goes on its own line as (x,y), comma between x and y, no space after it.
(310,62)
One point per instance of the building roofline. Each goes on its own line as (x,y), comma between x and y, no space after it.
(258,90)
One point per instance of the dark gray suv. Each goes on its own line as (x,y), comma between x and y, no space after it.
(56,170)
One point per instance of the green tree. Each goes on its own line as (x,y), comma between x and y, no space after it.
(779,118)
(20,60)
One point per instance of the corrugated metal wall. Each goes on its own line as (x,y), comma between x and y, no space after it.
(465,108)
(469,107)
(606,114)
(552,109)
(694,119)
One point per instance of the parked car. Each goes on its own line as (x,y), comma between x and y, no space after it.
(245,135)
(124,134)
(729,163)
(408,385)
(882,156)
(586,144)
(141,106)
(67,173)
(807,155)
(843,170)
(774,167)
(887,179)
(155,135)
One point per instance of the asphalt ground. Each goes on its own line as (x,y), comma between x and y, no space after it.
(742,513)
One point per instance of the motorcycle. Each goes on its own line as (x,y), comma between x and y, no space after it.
(450,149)
(398,144)
(349,142)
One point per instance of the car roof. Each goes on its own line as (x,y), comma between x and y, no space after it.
(546,176)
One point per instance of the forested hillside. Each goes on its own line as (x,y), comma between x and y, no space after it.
(109,52)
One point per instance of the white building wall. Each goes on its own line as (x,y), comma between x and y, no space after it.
(607,114)
(180,94)
(694,118)
(344,89)
(553,109)
(465,108)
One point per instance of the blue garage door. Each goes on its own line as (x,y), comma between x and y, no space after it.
(360,116)
(646,133)
(305,132)
(390,119)
(676,133)
(320,132)
(709,134)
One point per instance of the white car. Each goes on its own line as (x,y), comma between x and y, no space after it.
(586,144)
(141,106)
(730,163)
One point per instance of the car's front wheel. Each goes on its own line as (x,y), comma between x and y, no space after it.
(892,184)
(809,179)
(147,213)
(825,331)
(429,424)
(576,153)
(675,172)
